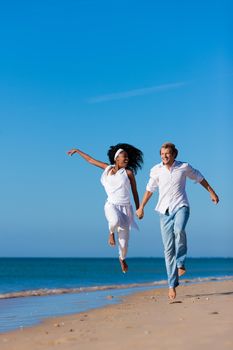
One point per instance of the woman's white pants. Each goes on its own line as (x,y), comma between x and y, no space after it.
(119,220)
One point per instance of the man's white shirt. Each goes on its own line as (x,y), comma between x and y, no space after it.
(171,185)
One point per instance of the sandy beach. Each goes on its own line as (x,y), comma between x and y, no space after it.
(200,317)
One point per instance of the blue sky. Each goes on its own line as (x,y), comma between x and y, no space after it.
(90,74)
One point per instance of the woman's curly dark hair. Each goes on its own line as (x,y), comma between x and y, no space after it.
(134,154)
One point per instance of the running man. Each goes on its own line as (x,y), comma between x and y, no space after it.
(169,177)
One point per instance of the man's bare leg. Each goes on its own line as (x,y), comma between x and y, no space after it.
(111,239)
(181,271)
(172,293)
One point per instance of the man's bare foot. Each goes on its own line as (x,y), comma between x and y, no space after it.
(172,293)
(111,239)
(124,266)
(181,271)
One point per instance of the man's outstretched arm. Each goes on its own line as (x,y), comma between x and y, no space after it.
(213,195)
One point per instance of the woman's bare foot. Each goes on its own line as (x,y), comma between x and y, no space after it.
(124,266)
(181,271)
(111,239)
(172,293)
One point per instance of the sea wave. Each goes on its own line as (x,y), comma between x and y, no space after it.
(59,291)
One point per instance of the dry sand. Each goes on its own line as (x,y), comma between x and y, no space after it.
(200,318)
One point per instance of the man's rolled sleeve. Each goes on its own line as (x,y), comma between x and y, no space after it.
(152,184)
(194,174)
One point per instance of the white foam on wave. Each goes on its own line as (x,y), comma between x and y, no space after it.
(59,291)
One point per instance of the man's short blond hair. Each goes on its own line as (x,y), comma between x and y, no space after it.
(171,146)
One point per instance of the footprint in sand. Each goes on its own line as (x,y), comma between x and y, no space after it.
(176,302)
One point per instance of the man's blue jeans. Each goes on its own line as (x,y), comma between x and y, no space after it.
(174,241)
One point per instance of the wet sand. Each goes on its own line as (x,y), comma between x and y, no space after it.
(201,317)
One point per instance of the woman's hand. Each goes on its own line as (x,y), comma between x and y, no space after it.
(71,152)
(214,197)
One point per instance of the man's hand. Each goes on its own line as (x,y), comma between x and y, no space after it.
(213,195)
(140,213)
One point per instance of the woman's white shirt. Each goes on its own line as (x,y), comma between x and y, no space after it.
(117,186)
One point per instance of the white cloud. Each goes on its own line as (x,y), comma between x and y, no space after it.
(135,92)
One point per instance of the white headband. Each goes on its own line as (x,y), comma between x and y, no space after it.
(118,152)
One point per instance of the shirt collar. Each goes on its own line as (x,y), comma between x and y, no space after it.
(173,165)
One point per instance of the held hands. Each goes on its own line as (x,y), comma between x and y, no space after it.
(140,213)
(71,152)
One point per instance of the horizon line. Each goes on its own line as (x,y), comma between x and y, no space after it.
(108,257)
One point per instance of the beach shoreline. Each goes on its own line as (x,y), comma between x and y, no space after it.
(28,308)
(200,316)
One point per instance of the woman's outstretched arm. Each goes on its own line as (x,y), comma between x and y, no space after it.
(88,158)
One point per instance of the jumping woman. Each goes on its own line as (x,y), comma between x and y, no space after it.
(119,181)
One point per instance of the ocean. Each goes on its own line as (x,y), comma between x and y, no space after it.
(32,289)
